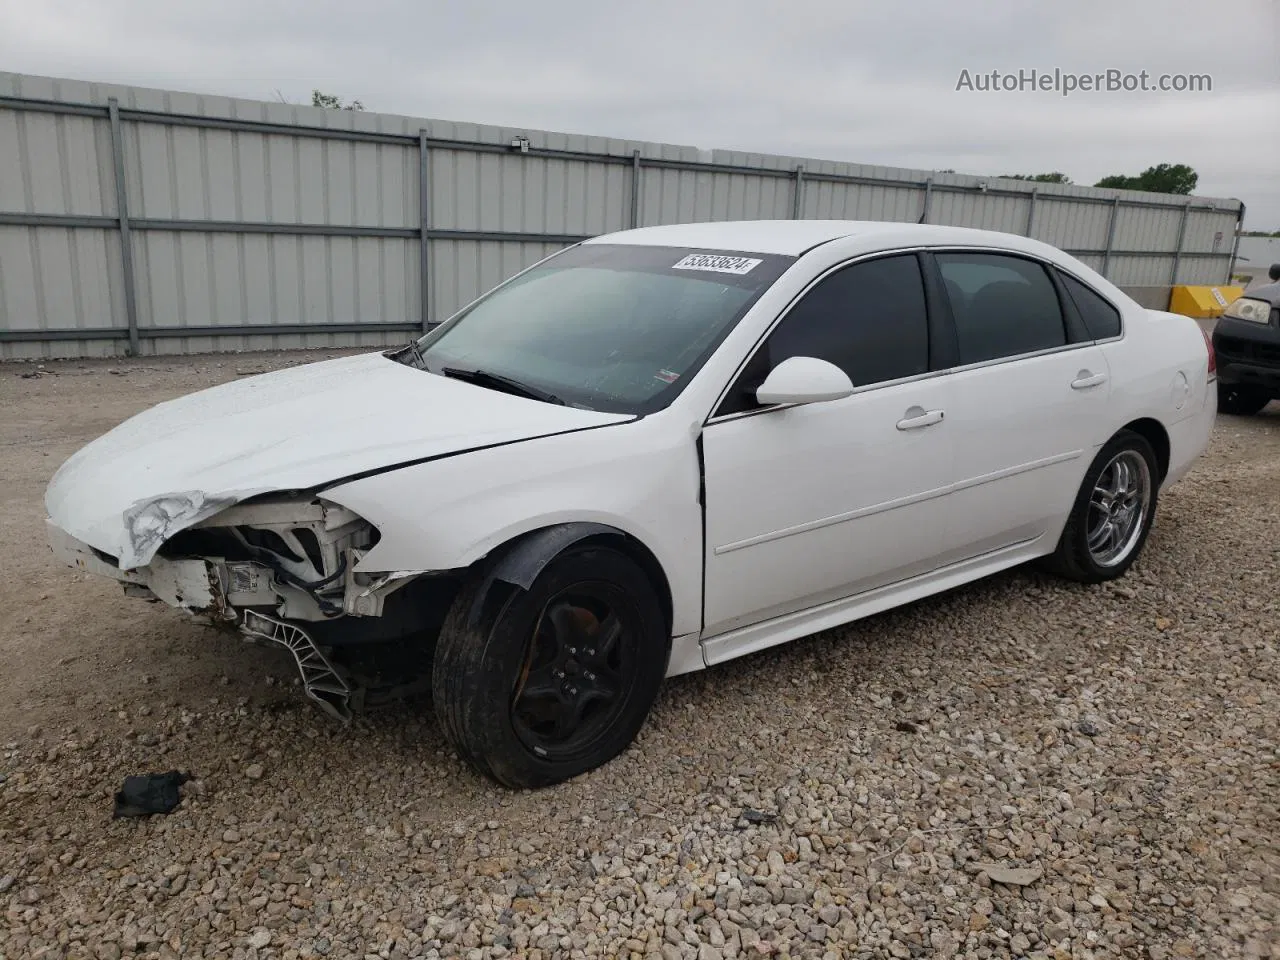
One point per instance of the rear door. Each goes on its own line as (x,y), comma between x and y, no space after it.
(1028,403)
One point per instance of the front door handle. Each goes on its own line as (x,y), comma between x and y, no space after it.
(1084,380)
(918,417)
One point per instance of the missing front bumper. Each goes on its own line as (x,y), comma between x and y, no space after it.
(343,661)
(191,585)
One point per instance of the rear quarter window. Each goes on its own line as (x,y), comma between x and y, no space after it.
(1099,316)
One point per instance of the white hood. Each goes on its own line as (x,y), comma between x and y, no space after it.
(291,429)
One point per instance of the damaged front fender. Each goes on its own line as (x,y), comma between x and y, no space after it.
(521,564)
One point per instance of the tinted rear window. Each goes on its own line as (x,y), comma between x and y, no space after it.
(1003,306)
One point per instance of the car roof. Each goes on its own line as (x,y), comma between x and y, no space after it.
(794,237)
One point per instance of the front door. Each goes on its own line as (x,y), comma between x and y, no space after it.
(816,502)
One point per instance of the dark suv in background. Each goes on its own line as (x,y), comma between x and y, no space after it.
(1247,342)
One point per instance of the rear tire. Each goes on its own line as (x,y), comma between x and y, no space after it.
(534,687)
(1241,401)
(1112,514)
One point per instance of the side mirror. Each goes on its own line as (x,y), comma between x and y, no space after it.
(804,380)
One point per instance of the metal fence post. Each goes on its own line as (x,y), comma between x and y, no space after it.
(122,213)
(1182,236)
(424,227)
(797,195)
(1235,243)
(1111,237)
(635,188)
(1031,210)
(928,201)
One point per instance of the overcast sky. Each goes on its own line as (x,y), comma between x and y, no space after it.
(836,79)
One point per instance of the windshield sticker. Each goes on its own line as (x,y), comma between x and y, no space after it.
(667,376)
(706,261)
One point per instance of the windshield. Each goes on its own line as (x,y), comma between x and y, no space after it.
(610,327)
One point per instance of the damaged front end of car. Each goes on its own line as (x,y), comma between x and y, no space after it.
(295,558)
(281,569)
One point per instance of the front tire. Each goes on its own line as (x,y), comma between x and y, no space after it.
(1241,401)
(1112,514)
(534,687)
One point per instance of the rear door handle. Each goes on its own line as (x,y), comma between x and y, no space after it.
(919,417)
(1084,380)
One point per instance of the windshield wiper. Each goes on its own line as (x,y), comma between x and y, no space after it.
(496,381)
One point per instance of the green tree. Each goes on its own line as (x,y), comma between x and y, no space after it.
(1055,177)
(330,102)
(1162,178)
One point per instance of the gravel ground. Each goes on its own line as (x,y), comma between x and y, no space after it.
(1017,768)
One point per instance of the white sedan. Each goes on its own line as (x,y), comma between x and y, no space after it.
(650,453)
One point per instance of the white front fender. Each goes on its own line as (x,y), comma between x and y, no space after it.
(447,514)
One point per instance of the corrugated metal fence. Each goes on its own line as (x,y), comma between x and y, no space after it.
(163,222)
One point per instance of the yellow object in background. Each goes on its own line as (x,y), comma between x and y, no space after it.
(1202,302)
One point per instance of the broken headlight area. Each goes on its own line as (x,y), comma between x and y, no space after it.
(294,559)
(283,572)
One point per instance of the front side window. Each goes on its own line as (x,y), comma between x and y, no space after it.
(1003,306)
(610,327)
(869,319)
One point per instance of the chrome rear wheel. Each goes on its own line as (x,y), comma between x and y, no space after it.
(1112,514)
(1118,508)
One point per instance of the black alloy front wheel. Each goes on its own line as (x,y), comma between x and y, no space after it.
(536,686)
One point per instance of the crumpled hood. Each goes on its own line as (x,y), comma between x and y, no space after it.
(291,429)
